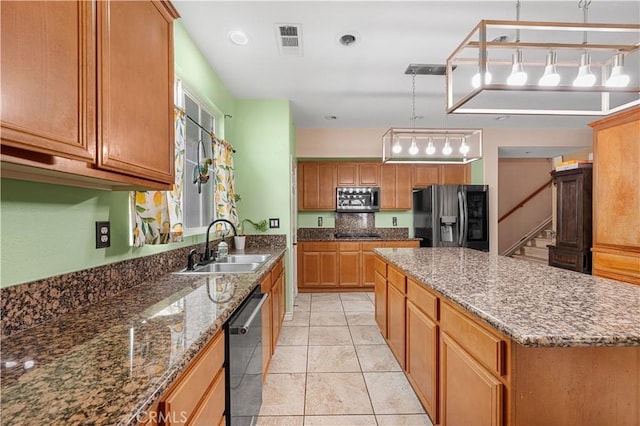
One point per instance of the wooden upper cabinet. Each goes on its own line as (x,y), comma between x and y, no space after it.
(135,94)
(395,187)
(425,175)
(358,174)
(87,93)
(48,78)
(317,186)
(455,174)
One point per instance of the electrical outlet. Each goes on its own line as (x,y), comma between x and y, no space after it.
(103,234)
(319,220)
(274,223)
(394,220)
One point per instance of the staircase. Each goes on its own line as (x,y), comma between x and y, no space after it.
(535,248)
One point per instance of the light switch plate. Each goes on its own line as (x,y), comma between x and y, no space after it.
(395,221)
(274,223)
(103,234)
(319,220)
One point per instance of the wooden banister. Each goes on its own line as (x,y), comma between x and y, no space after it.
(523,202)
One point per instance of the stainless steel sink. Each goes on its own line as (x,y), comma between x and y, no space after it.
(244,258)
(223,268)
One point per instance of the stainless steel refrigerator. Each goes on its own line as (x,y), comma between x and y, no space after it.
(452,216)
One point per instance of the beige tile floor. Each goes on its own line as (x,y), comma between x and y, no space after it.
(333,367)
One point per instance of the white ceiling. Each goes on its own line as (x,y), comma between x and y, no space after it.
(364,85)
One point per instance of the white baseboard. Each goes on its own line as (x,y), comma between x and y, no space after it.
(288,316)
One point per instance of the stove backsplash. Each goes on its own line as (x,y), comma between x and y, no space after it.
(355,222)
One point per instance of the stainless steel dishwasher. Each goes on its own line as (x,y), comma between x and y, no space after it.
(243,332)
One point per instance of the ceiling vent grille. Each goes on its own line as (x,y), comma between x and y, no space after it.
(289,38)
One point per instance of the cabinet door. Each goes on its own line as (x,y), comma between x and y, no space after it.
(318,186)
(367,262)
(48,78)
(469,394)
(212,407)
(455,174)
(319,269)
(396,310)
(388,186)
(422,358)
(404,187)
(349,269)
(347,174)
(369,174)
(277,311)
(135,92)
(327,187)
(380,292)
(267,338)
(570,211)
(425,175)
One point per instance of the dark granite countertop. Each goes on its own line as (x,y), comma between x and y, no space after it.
(532,303)
(107,363)
(363,240)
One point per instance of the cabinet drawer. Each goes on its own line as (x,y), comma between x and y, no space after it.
(572,259)
(212,407)
(397,279)
(482,344)
(381,267)
(277,269)
(265,284)
(370,246)
(320,246)
(402,244)
(192,385)
(423,299)
(349,246)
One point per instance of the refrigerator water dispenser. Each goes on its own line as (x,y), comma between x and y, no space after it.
(446,228)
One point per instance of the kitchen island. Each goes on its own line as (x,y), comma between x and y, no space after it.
(486,339)
(110,362)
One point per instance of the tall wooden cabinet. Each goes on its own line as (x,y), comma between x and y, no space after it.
(616,196)
(87,92)
(317,186)
(573,241)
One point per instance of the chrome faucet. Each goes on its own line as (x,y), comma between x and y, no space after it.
(206,256)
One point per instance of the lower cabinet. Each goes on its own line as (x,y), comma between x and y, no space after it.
(340,265)
(267,309)
(380,292)
(272,312)
(396,311)
(198,396)
(470,394)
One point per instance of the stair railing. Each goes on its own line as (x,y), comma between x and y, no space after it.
(529,236)
(525,201)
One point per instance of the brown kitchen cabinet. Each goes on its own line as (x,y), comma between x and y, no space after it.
(396,187)
(451,174)
(423,345)
(266,324)
(317,186)
(380,294)
(573,238)
(198,395)
(349,264)
(396,313)
(425,175)
(358,174)
(616,198)
(79,105)
(340,265)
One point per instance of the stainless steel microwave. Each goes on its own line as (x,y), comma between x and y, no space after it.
(358,199)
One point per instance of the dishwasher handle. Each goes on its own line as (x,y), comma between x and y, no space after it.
(245,327)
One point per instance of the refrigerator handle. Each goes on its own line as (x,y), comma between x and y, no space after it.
(461,214)
(466,217)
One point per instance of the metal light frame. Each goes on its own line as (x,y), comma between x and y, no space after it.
(456,106)
(473,137)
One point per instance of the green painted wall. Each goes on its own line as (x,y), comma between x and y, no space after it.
(477,172)
(47,230)
(263,140)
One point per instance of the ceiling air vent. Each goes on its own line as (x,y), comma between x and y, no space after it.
(289,37)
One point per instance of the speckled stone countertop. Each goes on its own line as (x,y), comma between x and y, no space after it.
(533,304)
(107,363)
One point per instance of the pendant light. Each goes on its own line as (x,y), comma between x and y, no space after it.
(475,80)
(397,149)
(447,150)
(464,147)
(618,78)
(430,148)
(518,76)
(585,77)
(413,149)
(550,76)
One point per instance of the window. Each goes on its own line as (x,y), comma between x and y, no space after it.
(198,208)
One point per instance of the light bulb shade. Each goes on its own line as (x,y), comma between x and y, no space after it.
(464,147)
(585,77)
(518,76)
(550,76)
(413,149)
(430,148)
(618,78)
(475,81)
(447,150)
(397,149)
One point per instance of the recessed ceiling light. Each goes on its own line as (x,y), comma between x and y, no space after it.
(348,38)
(238,37)
(330,117)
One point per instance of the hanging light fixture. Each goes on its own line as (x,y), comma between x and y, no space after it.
(559,64)
(618,78)
(447,150)
(550,76)
(430,150)
(464,148)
